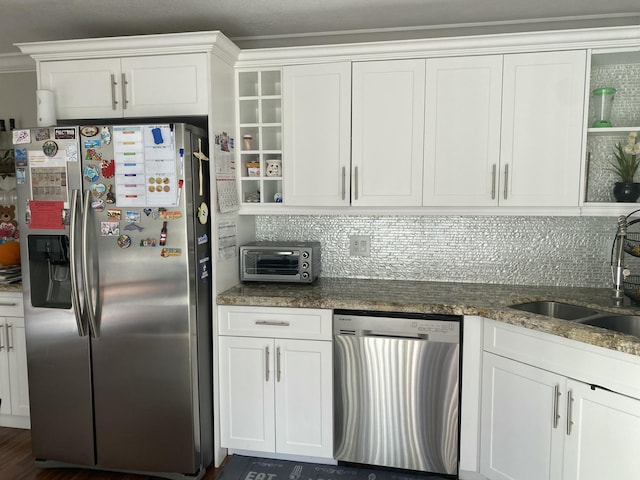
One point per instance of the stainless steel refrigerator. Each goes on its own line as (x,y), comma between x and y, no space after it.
(116,261)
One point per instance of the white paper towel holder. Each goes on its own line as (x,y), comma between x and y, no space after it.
(45,108)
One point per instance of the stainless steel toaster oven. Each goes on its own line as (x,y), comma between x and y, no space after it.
(294,262)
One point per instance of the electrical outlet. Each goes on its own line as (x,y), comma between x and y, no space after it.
(360,245)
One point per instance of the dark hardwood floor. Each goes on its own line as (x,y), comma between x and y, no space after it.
(16,463)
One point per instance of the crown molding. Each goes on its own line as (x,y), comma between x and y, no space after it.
(188,42)
(600,38)
(16,63)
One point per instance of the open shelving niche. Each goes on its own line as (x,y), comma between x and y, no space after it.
(259,113)
(620,70)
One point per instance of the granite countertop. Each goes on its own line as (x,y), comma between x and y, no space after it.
(11,287)
(485,300)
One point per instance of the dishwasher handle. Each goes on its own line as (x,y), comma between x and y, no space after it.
(387,334)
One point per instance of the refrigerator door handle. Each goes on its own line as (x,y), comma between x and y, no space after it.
(75,286)
(90,307)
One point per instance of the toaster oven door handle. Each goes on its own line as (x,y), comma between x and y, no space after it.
(258,252)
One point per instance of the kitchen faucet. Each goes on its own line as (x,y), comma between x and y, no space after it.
(618,270)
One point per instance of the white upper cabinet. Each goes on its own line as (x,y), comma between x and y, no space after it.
(155,85)
(462,136)
(542,123)
(504,130)
(316,108)
(387,133)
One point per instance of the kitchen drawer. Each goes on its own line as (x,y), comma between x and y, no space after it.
(593,365)
(275,322)
(11,305)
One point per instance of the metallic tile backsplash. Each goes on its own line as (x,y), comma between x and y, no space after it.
(524,250)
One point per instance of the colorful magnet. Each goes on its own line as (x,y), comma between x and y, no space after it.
(91,173)
(109,229)
(105,135)
(97,189)
(95,143)
(50,148)
(204,266)
(89,131)
(147,211)
(157,136)
(42,134)
(170,215)
(124,241)
(149,242)
(171,252)
(97,205)
(68,133)
(203,213)
(163,234)
(20,156)
(108,168)
(111,197)
(113,214)
(203,239)
(93,154)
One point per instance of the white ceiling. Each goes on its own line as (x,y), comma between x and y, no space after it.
(255,23)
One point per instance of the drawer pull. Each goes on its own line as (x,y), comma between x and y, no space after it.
(8,304)
(272,323)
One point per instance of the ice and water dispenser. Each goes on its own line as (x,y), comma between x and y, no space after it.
(49,271)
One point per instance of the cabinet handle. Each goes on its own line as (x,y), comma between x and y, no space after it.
(506,180)
(344,182)
(273,323)
(9,336)
(569,411)
(266,364)
(124,92)
(556,402)
(1,338)
(114,102)
(355,183)
(8,304)
(586,178)
(493,182)
(278,373)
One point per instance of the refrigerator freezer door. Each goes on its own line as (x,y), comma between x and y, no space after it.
(58,357)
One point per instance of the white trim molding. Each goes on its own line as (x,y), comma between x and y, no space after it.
(16,63)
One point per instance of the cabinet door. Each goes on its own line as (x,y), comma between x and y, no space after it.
(304,398)
(161,85)
(604,439)
(5,384)
(83,88)
(17,359)
(542,120)
(462,136)
(247,419)
(316,107)
(387,133)
(520,439)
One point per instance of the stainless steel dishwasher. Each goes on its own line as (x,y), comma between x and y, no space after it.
(396,389)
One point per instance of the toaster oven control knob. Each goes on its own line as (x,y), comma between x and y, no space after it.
(305,275)
(305,254)
(305,265)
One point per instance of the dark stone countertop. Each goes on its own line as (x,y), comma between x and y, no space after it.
(485,300)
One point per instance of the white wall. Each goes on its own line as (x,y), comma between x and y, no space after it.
(17,100)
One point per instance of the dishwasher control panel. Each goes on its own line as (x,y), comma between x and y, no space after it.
(441,328)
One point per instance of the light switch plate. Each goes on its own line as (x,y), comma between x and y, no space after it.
(360,245)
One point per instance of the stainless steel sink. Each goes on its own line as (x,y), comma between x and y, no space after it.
(561,310)
(628,324)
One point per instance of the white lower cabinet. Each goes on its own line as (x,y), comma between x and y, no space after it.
(14,390)
(276,393)
(538,425)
